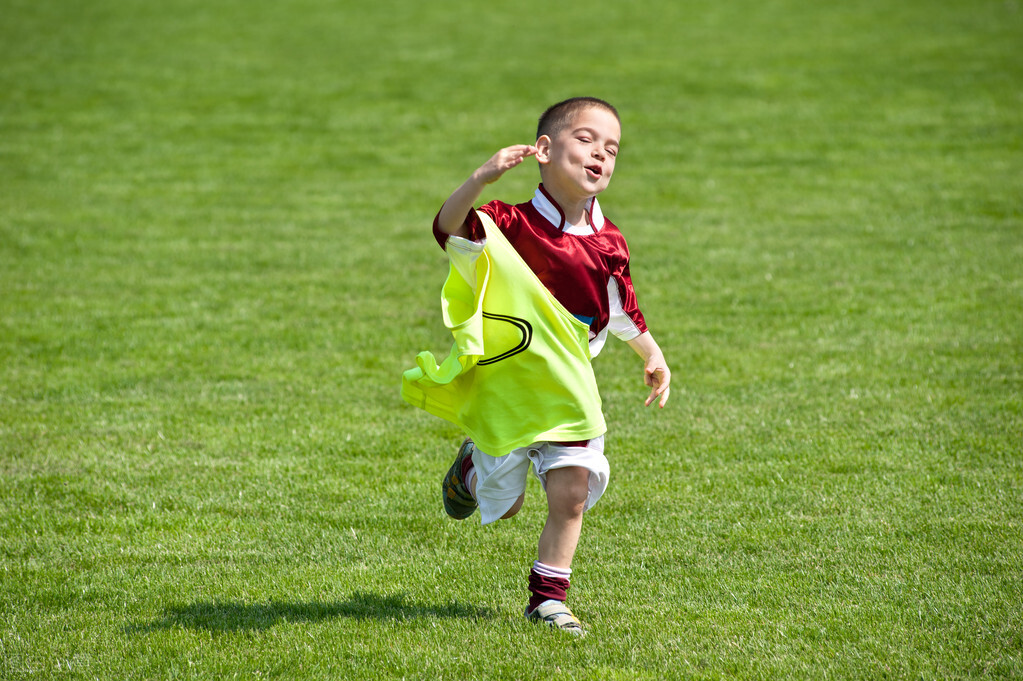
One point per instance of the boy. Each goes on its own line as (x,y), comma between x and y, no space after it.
(547,411)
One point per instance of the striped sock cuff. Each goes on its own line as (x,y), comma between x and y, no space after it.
(550,571)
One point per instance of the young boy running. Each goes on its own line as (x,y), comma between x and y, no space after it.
(533,291)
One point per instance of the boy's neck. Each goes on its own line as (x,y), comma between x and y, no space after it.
(576,211)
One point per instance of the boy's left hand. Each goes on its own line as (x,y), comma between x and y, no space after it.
(657,375)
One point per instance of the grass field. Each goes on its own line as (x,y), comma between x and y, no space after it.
(215,262)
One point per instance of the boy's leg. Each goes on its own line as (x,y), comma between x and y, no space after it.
(567,491)
(549,580)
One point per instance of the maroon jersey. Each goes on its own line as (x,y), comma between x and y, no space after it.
(586,269)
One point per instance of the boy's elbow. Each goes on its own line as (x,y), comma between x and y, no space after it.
(442,229)
(449,223)
(461,229)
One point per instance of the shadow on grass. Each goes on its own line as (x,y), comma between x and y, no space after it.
(221,617)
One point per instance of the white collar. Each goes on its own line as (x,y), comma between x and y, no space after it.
(553,213)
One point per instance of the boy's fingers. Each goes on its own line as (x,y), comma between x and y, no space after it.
(660,381)
(522,153)
(654,376)
(662,392)
(512,156)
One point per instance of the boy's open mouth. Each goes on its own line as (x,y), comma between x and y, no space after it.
(595,170)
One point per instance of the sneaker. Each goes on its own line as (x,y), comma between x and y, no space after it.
(558,616)
(458,502)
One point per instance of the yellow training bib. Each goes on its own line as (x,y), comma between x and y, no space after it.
(519,370)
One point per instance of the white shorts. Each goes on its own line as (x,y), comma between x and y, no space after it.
(501,480)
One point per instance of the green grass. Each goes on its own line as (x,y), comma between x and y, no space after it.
(215,262)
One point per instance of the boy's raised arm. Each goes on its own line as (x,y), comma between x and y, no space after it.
(451,219)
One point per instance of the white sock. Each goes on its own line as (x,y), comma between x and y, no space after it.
(546,570)
(470,478)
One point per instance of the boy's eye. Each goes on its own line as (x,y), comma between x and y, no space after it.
(612,151)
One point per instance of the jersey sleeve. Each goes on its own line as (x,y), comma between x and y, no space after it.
(497,211)
(472,220)
(626,320)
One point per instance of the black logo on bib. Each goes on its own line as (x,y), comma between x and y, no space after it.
(522,332)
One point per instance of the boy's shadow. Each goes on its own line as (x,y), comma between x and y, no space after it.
(221,617)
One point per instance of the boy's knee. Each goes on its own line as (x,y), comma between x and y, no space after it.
(514,508)
(568,490)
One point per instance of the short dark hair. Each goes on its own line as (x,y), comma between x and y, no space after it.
(559,115)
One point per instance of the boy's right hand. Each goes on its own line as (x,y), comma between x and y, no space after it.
(503,161)
(451,218)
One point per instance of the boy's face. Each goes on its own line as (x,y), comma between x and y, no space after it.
(577,163)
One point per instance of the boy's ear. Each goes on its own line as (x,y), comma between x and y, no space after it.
(543,149)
